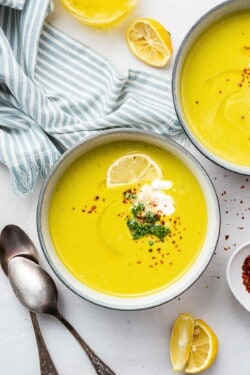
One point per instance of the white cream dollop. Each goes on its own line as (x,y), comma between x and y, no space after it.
(156,200)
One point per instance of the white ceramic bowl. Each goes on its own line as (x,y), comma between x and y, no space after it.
(198,28)
(234,275)
(164,295)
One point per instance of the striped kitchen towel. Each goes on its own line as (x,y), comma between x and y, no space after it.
(54,91)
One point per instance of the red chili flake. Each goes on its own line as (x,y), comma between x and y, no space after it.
(161,261)
(92,209)
(246,273)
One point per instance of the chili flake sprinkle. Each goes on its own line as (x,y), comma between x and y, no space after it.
(246,273)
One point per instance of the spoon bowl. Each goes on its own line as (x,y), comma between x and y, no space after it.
(234,275)
(40,295)
(14,242)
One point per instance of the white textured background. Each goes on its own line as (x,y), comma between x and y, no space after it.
(132,343)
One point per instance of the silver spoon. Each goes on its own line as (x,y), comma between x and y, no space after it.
(14,242)
(37,291)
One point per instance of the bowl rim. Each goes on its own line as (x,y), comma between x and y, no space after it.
(230,262)
(119,301)
(236,168)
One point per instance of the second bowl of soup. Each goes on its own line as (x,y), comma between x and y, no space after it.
(127,220)
(211,85)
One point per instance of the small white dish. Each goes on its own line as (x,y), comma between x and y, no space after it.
(234,275)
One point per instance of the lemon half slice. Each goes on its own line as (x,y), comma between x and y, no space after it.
(204,348)
(181,341)
(99,12)
(149,41)
(132,168)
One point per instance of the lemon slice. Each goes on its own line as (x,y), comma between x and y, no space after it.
(181,341)
(132,168)
(99,12)
(149,41)
(204,348)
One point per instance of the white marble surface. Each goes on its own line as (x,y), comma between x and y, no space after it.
(133,343)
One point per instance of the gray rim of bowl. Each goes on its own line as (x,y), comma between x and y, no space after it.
(65,155)
(210,155)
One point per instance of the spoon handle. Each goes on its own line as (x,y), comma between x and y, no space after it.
(100,367)
(46,364)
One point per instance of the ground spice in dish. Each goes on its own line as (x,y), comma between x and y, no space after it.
(246,273)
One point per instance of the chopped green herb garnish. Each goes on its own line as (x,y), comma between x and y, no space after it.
(144,222)
(137,209)
(139,230)
(151,218)
(160,231)
(129,195)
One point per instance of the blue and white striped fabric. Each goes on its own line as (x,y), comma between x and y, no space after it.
(17,4)
(54,91)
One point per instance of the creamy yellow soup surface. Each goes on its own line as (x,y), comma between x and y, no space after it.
(215,88)
(88,224)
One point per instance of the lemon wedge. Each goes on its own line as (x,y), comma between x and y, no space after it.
(132,168)
(149,41)
(204,348)
(181,341)
(99,12)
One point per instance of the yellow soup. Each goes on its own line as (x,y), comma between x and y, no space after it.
(215,88)
(89,222)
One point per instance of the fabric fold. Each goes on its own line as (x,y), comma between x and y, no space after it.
(54,91)
(16,4)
